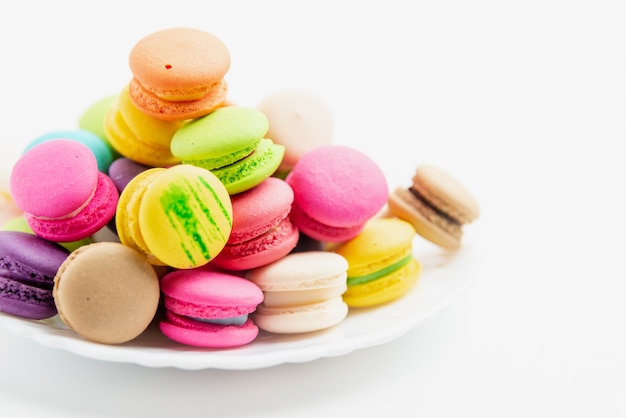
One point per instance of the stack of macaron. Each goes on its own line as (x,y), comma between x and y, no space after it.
(230,220)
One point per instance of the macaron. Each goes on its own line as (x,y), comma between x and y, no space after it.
(230,142)
(209,309)
(180,216)
(139,136)
(381,264)
(336,190)
(101,149)
(92,119)
(437,205)
(123,170)
(28,265)
(299,120)
(62,193)
(20,224)
(106,292)
(302,292)
(178,73)
(262,231)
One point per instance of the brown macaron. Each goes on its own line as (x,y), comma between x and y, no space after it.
(437,205)
(178,73)
(106,292)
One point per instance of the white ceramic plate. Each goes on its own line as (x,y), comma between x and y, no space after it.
(444,277)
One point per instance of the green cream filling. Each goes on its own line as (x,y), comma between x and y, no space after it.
(356,280)
(223,161)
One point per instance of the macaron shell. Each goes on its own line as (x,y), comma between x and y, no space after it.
(383,241)
(301,319)
(427,223)
(300,271)
(25,301)
(179,64)
(320,231)
(126,143)
(385,289)
(127,215)
(446,194)
(101,149)
(299,120)
(338,186)
(91,218)
(54,179)
(106,292)
(200,334)
(158,108)
(252,170)
(223,132)
(123,170)
(201,293)
(93,118)
(302,297)
(261,250)
(185,216)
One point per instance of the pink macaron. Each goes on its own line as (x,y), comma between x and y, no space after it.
(262,231)
(62,193)
(205,308)
(337,189)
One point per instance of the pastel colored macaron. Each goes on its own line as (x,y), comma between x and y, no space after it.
(230,142)
(106,292)
(178,73)
(20,224)
(299,120)
(437,205)
(62,193)
(92,119)
(139,136)
(337,189)
(262,231)
(302,292)
(209,309)
(382,267)
(180,216)
(100,147)
(123,170)
(28,265)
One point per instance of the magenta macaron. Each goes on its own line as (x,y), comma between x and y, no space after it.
(336,190)
(64,196)
(262,231)
(205,308)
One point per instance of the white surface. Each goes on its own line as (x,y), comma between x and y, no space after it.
(442,280)
(524,101)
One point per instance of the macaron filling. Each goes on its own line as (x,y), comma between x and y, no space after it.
(224,160)
(436,215)
(235,320)
(366,278)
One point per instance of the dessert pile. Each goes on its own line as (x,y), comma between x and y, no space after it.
(168,203)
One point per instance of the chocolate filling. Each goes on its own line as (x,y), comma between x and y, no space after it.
(435,209)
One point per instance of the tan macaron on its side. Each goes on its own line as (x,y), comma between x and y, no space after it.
(437,205)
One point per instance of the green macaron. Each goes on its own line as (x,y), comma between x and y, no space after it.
(230,142)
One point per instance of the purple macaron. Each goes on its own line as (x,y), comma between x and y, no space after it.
(28,265)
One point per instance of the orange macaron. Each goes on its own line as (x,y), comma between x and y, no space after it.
(178,73)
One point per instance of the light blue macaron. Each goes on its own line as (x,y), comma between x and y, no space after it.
(100,148)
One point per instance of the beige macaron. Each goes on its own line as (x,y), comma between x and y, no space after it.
(437,205)
(106,292)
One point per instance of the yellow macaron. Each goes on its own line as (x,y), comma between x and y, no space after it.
(381,265)
(138,136)
(180,217)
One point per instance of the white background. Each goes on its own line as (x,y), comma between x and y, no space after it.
(523,101)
